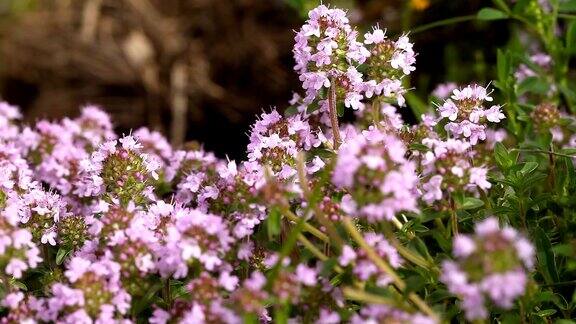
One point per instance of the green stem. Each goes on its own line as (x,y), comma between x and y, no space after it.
(562,283)
(522,312)
(444,22)
(307,227)
(322,219)
(543,152)
(440,224)
(316,251)
(365,297)
(386,268)
(407,253)
(566,16)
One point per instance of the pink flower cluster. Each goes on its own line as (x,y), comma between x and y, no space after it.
(18,252)
(118,167)
(124,229)
(447,168)
(389,61)
(466,115)
(364,268)
(491,264)
(373,159)
(275,141)
(327,54)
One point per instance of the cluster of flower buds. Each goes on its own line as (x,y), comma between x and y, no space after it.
(275,141)
(389,61)
(119,169)
(40,211)
(545,117)
(491,264)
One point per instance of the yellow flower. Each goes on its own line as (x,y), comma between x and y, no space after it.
(419,5)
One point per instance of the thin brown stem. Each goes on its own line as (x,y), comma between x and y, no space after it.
(453,217)
(167,293)
(334,114)
(6,283)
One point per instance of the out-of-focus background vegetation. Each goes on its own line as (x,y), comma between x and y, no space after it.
(203,69)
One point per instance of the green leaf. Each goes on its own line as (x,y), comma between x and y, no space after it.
(569,151)
(546,312)
(510,318)
(419,147)
(533,85)
(502,156)
(472,203)
(490,14)
(503,66)
(520,6)
(414,283)
(312,107)
(417,105)
(439,295)
(340,109)
(571,38)
(273,223)
(328,267)
(441,239)
(18,284)
(281,313)
(528,167)
(290,111)
(564,321)
(141,303)
(502,5)
(420,246)
(546,260)
(567,6)
(337,279)
(567,92)
(61,255)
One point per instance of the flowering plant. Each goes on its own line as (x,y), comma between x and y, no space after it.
(467,215)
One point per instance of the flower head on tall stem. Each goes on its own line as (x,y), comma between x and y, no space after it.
(490,264)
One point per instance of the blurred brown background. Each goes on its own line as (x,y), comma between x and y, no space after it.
(202,69)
